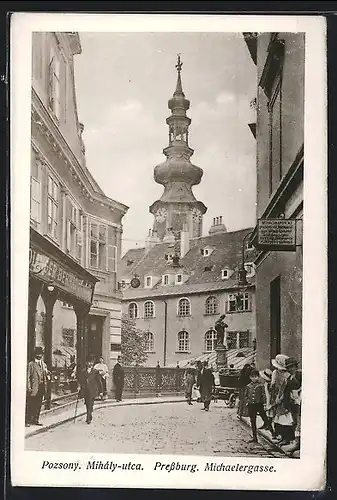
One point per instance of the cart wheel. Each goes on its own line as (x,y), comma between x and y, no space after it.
(232,401)
(226,401)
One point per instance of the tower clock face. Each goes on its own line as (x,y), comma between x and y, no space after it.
(161,214)
(196,215)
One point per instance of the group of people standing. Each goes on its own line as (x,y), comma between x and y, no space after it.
(91,383)
(275,395)
(202,379)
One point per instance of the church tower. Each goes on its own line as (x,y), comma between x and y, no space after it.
(177,209)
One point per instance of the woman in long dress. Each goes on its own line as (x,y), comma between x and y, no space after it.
(244,380)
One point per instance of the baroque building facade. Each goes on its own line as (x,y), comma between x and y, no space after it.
(279,130)
(75,229)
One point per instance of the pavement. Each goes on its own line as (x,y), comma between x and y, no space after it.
(145,426)
(66,413)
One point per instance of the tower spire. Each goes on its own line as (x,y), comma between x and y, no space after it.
(179,88)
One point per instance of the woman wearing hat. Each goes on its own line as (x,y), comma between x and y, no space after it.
(266,376)
(292,401)
(283,421)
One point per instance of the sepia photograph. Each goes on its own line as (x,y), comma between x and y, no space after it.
(165,227)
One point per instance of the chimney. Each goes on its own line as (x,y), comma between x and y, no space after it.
(218,226)
(184,241)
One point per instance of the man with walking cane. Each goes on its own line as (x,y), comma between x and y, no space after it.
(90,386)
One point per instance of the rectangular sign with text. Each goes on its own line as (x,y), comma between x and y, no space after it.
(276,234)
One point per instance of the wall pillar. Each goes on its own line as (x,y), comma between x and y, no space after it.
(49,299)
(35,288)
(82,313)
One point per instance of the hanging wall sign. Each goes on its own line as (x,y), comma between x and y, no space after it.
(276,235)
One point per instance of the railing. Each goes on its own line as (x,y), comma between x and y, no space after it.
(140,381)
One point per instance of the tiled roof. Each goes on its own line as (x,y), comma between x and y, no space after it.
(227,249)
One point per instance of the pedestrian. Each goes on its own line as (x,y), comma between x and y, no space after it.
(207,385)
(72,374)
(103,370)
(158,379)
(198,374)
(90,386)
(244,380)
(282,418)
(255,399)
(266,377)
(292,401)
(118,379)
(38,376)
(189,379)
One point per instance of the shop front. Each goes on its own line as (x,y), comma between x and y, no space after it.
(54,276)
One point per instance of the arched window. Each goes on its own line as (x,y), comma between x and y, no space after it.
(211,305)
(133,310)
(149,342)
(149,309)
(210,340)
(183,341)
(184,307)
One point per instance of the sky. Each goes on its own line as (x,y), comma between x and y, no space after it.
(123,82)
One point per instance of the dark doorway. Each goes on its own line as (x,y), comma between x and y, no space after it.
(275,317)
(95,334)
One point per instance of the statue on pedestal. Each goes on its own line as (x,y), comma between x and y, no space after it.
(220,327)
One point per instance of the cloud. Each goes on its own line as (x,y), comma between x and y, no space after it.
(225,98)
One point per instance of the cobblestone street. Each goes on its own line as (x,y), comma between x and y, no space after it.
(169,428)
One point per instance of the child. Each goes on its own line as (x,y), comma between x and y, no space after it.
(255,399)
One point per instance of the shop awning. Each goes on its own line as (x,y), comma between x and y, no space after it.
(236,357)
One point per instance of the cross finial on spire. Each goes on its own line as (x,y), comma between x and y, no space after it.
(179,64)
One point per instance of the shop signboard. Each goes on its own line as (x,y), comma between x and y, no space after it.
(49,270)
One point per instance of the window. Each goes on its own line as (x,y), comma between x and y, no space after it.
(54,83)
(205,252)
(74,231)
(165,279)
(249,246)
(208,268)
(149,346)
(183,341)
(133,310)
(224,274)
(103,251)
(68,337)
(232,340)
(53,204)
(238,302)
(238,340)
(149,309)
(211,306)
(250,268)
(179,279)
(169,257)
(67,305)
(148,281)
(184,307)
(210,340)
(35,200)
(243,339)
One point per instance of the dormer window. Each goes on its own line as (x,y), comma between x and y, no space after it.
(206,251)
(179,279)
(148,281)
(208,268)
(224,274)
(165,279)
(250,268)
(249,246)
(169,257)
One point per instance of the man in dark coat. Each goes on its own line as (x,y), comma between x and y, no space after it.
(37,378)
(118,379)
(207,385)
(90,387)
